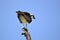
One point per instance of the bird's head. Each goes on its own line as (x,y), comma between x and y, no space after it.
(32,16)
(18,12)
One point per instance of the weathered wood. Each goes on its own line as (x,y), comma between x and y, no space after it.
(26,33)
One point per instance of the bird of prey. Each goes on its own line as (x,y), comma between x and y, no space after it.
(24,17)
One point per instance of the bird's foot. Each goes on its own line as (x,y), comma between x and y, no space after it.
(23,27)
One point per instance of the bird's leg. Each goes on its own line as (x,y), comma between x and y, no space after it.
(26,25)
(23,25)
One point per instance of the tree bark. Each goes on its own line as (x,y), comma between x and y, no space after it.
(26,33)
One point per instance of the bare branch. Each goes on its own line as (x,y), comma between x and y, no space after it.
(26,34)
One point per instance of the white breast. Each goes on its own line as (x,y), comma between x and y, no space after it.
(23,19)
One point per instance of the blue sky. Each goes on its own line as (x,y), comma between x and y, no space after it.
(46,26)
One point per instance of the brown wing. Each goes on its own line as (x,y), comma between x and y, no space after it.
(27,17)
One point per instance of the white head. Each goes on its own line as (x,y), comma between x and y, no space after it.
(32,17)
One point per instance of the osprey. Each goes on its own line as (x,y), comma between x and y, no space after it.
(24,17)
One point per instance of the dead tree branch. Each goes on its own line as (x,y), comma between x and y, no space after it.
(26,34)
